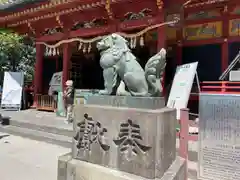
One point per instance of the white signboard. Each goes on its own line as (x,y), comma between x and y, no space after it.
(55,83)
(12,90)
(181,87)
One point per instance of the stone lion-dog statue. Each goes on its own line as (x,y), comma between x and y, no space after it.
(122,73)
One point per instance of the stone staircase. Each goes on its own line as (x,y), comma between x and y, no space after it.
(41,126)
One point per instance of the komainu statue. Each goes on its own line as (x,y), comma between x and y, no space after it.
(122,73)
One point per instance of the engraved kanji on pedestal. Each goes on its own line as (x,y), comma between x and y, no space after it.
(89,132)
(129,140)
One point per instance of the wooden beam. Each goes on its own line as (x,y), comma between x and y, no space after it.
(52,38)
(203,42)
(87,32)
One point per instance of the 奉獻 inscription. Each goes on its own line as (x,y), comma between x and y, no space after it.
(129,140)
(89,132)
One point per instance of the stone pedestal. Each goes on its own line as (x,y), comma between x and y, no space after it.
(118,142)
(80,170)
(127,101)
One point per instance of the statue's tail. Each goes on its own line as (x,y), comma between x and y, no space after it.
(154,70)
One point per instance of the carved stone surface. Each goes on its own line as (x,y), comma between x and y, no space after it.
(80,170)
(127,101)
(122,73)
(141,142)
(219,149)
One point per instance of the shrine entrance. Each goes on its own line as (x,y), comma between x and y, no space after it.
(86,72)
(208,57)
(83,68)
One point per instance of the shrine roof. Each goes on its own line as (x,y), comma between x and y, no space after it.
(199,3)
(12,5)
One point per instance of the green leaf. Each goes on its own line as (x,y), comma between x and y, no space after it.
(13,48)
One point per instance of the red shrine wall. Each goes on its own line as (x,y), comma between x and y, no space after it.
(211,35)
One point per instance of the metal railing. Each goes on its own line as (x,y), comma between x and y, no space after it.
(46,102)
(220,87)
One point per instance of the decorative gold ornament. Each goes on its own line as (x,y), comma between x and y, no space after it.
(108,8)
(31,28)
(46,6)
(59,21)
(159,4)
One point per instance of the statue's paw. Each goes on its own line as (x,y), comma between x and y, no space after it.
(103,92)
(121,92)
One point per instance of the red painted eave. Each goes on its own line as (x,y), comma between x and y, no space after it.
(55,8)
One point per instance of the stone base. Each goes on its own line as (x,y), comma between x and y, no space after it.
(126,101)
(72,169)
(137,141)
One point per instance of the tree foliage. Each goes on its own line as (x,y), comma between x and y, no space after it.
(17,53)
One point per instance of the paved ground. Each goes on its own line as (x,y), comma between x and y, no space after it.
(38,117)
(24,159)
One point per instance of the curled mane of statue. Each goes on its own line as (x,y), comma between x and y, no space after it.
(123,75)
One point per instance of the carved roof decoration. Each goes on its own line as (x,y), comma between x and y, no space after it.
(139,15)
(159,4)
(50,31)
(197,3)
(63,12)
(174,17)
(204,15)
(10,5)
(76,15)
(236,10)
(98,22)
(52,5)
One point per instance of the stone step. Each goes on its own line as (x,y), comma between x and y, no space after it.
(52,138)
(59,130)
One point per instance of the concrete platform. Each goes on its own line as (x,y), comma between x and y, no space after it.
(38,125)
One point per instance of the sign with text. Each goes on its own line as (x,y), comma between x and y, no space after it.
(234,27)
(219,138)
(181,86)
(203,31)
(12,90)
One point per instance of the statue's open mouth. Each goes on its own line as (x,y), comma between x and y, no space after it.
(101,46)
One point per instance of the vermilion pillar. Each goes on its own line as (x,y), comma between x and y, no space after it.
(224,61)
(179,51)
(161,43)
(38,72)
(179,48)
(66,63)
(224,55)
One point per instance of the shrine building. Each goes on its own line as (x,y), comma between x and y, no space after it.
(66,32)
